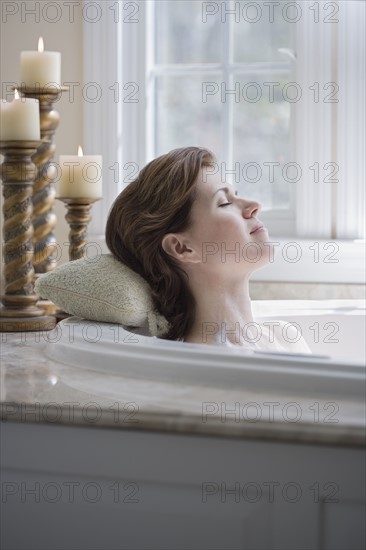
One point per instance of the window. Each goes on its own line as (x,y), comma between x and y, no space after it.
(277,93)
(218,75)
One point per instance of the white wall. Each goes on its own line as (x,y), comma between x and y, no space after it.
(20,31)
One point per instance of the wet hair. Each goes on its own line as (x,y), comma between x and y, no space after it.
(157,202)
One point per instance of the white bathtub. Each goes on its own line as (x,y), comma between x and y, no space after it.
(334,330)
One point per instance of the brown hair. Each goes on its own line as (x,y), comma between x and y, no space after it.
(158,202)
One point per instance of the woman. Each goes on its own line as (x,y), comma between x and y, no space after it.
(196,243)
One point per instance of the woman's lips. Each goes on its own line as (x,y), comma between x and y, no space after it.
(260,228)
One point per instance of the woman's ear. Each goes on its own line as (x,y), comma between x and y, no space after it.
(177,246)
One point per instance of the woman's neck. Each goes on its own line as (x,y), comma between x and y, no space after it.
(223,315)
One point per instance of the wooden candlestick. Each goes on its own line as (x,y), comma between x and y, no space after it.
(77,216)
(19,312)
(44,218)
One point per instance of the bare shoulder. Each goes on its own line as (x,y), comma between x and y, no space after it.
(289,336)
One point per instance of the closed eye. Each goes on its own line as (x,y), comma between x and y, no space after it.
(226,204)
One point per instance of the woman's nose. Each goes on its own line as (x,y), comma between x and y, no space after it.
(251,208)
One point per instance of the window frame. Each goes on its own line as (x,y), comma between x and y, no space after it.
(281,221)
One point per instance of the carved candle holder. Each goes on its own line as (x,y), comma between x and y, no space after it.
(19,311)
(78,217)
(44,218)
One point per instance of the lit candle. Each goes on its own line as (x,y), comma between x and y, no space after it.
(81,176)
(19,119)
(40,68)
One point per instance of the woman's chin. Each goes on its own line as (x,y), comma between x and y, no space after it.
(258,251)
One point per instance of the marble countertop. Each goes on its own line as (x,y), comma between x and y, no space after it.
(37,390)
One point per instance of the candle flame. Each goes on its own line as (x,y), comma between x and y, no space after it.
(40,44)
(80,151)
(16,94)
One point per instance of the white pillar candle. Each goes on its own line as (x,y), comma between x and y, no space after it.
(19,119)
(40,68)
(81,176)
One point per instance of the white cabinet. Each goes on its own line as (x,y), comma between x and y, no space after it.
(69,487)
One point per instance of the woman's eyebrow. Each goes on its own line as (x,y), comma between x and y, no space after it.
(226,189)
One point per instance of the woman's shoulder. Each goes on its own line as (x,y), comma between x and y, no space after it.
(288,335)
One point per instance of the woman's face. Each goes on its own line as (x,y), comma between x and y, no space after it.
(223,227)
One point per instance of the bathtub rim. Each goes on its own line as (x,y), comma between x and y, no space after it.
(274,371)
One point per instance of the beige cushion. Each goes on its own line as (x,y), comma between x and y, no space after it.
(102,289)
